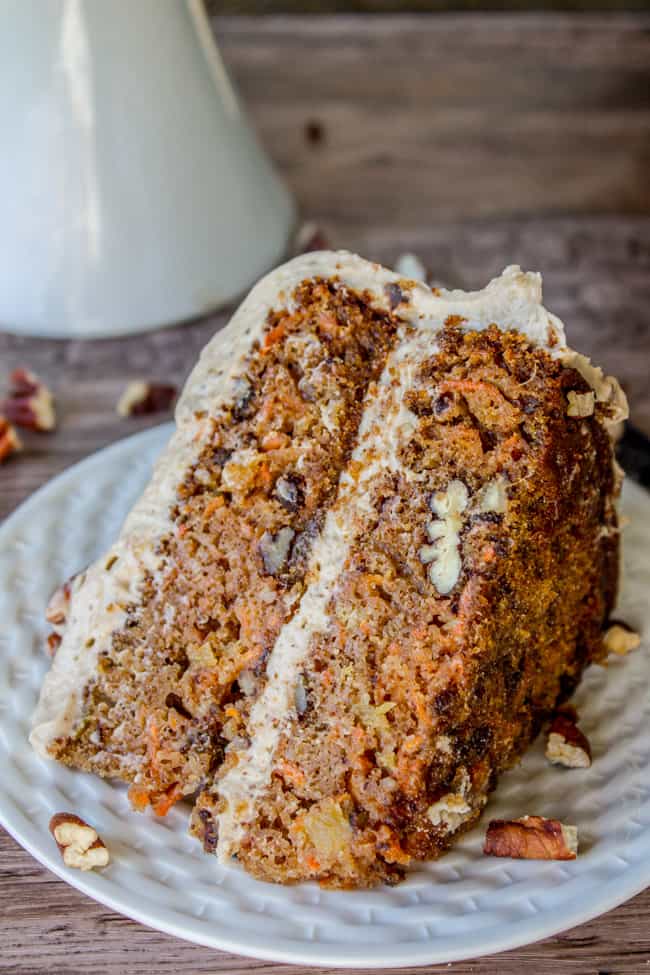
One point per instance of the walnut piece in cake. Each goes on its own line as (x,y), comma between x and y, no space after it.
(443,554)
(581,404)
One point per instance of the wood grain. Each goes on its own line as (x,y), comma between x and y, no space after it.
(426,119)
(474,142)
(48,927)
(257,7)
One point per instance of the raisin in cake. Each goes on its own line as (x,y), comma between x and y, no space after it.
(380,547)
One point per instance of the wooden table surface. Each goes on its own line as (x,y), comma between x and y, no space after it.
(475,142)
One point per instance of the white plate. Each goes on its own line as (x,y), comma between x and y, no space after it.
(462,906)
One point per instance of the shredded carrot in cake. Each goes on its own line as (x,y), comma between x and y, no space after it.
(291,773)
(274,335)
(214,505)
(163,804)
(139,797)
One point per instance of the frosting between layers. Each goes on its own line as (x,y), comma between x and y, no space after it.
(99,600)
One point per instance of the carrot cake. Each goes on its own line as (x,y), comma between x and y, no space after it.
(379,548)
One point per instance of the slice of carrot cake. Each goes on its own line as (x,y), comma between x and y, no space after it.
(380,547)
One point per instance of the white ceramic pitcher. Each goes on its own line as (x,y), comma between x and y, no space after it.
(132,191)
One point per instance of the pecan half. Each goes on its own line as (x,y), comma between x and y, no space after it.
(531,838)
(29,402)
(78,843)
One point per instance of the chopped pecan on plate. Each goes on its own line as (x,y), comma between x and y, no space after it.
(29,402)
(531,838)
(79,844)
(566,744)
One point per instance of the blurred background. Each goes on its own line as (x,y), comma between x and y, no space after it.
(473,135)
